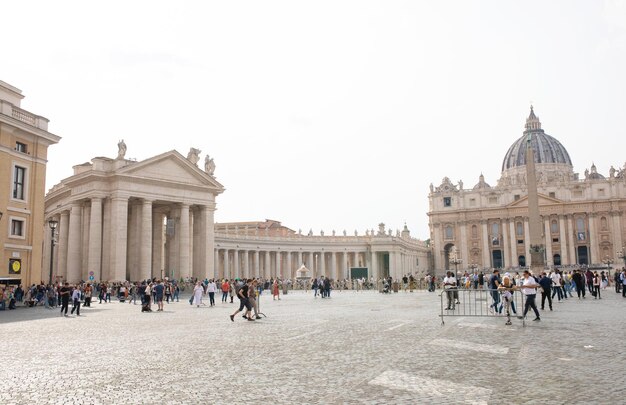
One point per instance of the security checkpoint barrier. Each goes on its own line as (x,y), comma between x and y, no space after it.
(479,303)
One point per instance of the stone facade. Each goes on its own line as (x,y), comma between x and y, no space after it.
(268,249)
(120,219)
(583,218)
(24,142)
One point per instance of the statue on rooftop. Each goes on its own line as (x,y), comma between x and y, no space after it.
(209,165)
(121,149)
(194,155)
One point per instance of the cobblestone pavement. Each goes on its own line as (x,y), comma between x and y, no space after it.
(355,348)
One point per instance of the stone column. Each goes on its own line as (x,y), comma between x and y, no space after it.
(464,249)
(133,251)
(216,264)
(513,242)
(227,273)
(268,265)
(548,241)
(485,238)
(145,243)
(570,239)
(312,263)
(289,269)
(107,235)
(157,244)
(374,272)
(300,262)
(616,231)
(257,264)
(333,265)
(594,241)
(246,264)
(323,263)
(344,266)
(183,240)
(438,251)
(505,245)
(563,241)
(527,242)
(208,214)
(95,239)
(73,246)
(119,238)
(279,273)
(236,266)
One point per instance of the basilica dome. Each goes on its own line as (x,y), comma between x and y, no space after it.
(547,149)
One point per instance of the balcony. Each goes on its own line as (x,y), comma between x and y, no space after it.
(24,116)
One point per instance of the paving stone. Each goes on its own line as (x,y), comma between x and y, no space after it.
(355,348)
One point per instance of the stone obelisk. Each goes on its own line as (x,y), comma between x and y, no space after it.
(537,260)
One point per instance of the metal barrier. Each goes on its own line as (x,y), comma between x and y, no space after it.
(482,302)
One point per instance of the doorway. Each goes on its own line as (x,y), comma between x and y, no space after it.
(496,259)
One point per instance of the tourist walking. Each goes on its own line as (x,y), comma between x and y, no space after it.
(529,286)
(64,294)
(225,289)
(147,306)
(76,301)
(494,283)
(211,289)
(244,302)
(506,290)
(198,290)
(596,286)
(546,283)
(159,291)
(579,281)
(275,290)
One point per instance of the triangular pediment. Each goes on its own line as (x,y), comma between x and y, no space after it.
(543,200)
(170,167)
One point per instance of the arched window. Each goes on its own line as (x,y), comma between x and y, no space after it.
(495,229)
(554,226)
(474,231)
(519,230)
(449,232)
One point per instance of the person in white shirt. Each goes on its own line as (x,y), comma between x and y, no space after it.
(529,289)
(211,289)
(449,284)
(556,285)
(76,301)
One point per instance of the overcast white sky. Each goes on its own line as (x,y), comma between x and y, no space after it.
(322,114)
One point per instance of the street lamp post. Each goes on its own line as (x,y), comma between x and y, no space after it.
(608,261)
(53,226)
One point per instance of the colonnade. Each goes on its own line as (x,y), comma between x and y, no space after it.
(128,238)
(271,263)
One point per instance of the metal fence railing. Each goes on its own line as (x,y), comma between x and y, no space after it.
(481,303)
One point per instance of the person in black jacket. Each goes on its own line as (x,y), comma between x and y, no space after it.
(546,284)
(579,281)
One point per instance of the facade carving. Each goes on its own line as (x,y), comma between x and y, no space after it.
(583,219)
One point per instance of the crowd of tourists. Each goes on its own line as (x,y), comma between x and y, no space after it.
(555,283)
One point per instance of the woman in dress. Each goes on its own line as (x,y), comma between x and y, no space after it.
(275,290)
(197,294)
